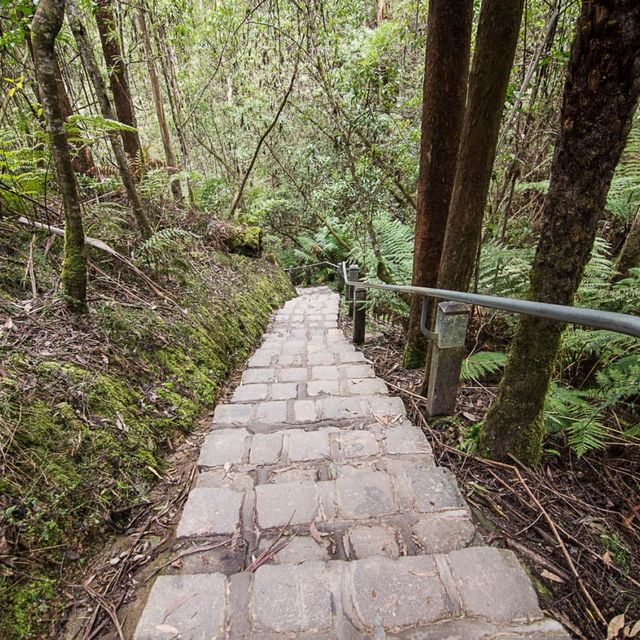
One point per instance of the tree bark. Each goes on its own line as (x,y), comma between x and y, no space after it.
(46,25)
(444,94)
(118,79)
(91,66)
(157,101)
(630,254)
(498,29)
(600,98)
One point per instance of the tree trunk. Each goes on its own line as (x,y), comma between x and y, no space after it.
(82,157)
(93,71)
(600,97)
(444,93)
(630,254)
(175,103)
(46,25)
(118,79)
(157,101)
(498,29)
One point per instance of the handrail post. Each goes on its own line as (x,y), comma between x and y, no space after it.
(452,319)
(359,315)
(339,280)
(353,274)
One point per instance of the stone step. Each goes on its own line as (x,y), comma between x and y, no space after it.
(479,592)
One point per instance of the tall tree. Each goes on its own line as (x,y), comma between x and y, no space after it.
(496,41)
(118,78)
(47,22)
(600,97)
(91,66)
(444,93)
(157,100)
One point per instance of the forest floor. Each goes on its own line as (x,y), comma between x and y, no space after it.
(574,522)
(92,407)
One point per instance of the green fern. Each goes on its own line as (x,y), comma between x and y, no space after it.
(481,364)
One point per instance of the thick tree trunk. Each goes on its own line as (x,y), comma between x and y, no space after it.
(46,25)
(444,93)
(630,254)
(498,29)
(118,79)
(93,71)
(600,97)
(157,101)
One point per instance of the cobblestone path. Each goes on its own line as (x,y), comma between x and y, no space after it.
(314,460)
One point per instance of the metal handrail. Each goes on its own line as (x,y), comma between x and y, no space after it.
(618,322)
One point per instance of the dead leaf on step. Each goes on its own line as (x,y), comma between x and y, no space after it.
(166,628)
(314,533)
(8,324)
(470,416)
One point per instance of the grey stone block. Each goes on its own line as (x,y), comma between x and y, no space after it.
(349,357)
(359,371)
(292,374)
(493,585)
(308,445)
(304,411)
(232,414)
(273,412)
(373,540)
(265,448)
(405,439)
(395,594)
(365,494)
(251,392)
(190,607)
(253,376)
(365,387)
(280,504)
(322,358)
(223,446)
(291,599)
(210,512)
(325,373)
(442,533)
(323,387)
(355,444)
(284,390)
(299,549)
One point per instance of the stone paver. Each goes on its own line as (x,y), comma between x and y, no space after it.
(315,466)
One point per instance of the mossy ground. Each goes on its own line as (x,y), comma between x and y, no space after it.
(89,404)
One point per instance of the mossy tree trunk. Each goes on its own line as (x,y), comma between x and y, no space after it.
(444,94)
(89,61)
(600,97)
(46,25)
(119,79)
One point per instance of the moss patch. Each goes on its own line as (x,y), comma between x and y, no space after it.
(87,413)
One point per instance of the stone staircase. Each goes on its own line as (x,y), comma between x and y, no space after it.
(315,465)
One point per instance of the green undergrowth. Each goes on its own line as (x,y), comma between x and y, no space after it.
(89,406)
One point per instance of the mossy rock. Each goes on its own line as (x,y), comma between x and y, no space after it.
(246,241)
